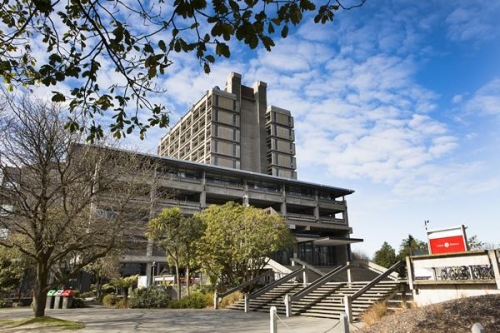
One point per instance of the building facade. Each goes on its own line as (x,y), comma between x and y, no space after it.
(316,214)
(235,128)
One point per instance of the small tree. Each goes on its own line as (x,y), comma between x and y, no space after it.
(178,235)
(411,246)
(103,269)
(12,267)
(123,283)
(237,240)
(386,256)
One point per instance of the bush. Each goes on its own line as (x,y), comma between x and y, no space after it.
(193,301)
(110,300)
(150,297)
(78,303)
(374,314)
(231,299)
(5,303)
(88,294)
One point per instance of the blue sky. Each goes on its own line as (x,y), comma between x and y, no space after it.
(398,100)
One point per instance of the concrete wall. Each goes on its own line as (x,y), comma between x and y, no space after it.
(430,294)
(429,286)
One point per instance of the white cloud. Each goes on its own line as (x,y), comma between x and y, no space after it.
(473,22)
(486,100)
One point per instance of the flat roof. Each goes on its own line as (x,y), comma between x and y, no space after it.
(233,172)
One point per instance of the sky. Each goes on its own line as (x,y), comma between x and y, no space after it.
(396,100)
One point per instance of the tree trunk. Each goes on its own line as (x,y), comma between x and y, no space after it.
(125,296)
(40,290)
(187,280)
(178,281)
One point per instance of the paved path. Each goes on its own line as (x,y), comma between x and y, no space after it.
(101,319)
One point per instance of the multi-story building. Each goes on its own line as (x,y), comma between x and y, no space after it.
(235,128)
(316,214)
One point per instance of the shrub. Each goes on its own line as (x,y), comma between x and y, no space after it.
(87,294)
(5,303)
(78,303)
(150,297)
(375,313)
(231,299)
(193,301)
(110,300)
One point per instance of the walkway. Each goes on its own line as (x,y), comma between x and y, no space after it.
(100,319)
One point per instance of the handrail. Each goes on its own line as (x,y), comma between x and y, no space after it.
(276,283)
(309,266)
(376,280)
(318,283)
(374,268)
(232,290)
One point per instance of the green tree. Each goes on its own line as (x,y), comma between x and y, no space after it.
(178,235)
(12,267)
(237,240)
(136,40)
(475,243)
(411,246)
(102,270)
(64,205)
(123,283)
(386,256)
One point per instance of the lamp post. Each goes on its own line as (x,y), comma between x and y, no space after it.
(153,266)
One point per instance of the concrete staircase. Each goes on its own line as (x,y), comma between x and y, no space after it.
(273,297)
(325,302)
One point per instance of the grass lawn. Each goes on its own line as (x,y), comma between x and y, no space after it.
(40,322)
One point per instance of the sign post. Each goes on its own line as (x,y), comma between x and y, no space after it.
(447,240)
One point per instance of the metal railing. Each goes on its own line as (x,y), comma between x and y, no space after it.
(318,283)
(349,299)
(277,283)
(307,265)
(218,296)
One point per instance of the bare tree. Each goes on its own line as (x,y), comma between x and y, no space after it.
(64,204)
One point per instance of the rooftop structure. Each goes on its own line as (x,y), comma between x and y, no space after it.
(235,128)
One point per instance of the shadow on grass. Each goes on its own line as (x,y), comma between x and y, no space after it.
(42,322)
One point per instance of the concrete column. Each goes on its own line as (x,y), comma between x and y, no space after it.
(304,277)
(478,328)
(316,206)
(247,302)
(493,255)
(283,200)
(152,212)
(344,323)
(216,301)
(273,320)
(344,213)
(348,308)
(349,277)
(288,305)
(203,194)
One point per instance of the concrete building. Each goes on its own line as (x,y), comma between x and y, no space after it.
(316,214)
(235,128)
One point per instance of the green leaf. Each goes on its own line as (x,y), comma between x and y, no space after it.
(284,31)
(58,97)
(162,46)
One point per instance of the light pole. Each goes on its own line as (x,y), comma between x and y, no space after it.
(153,266)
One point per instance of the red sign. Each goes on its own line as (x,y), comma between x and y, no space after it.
(447,244)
